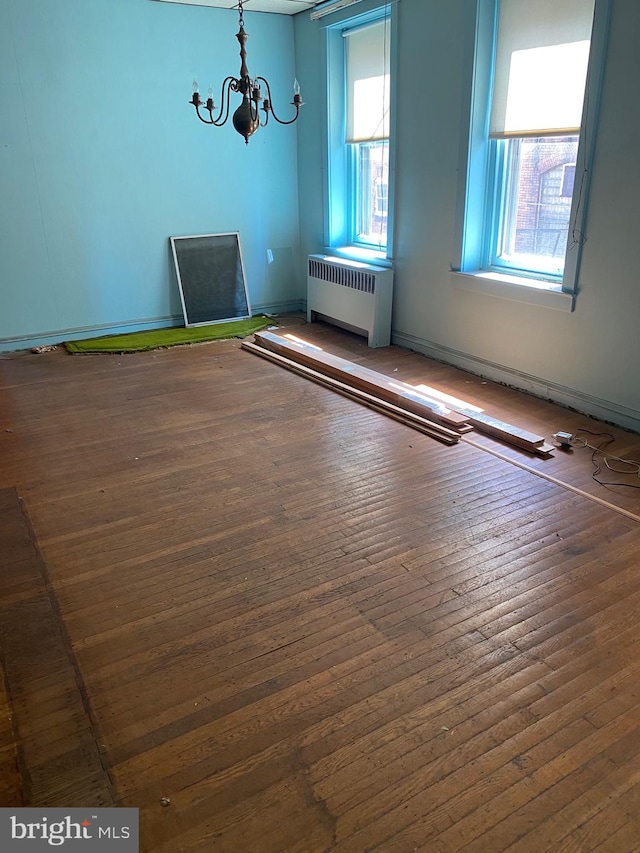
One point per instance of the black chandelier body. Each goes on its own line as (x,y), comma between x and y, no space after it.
(247,118)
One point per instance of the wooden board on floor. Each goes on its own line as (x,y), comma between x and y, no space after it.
(417,399)
(428,427)
(391,390)
(492,426)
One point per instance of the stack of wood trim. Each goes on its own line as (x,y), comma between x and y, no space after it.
(398,399)
(362,378)
(424,425)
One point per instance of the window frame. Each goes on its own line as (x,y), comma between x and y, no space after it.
(340,203)
(476,209)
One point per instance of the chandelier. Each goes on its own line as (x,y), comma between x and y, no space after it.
(246,119)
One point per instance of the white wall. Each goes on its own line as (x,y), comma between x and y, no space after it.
(590,358)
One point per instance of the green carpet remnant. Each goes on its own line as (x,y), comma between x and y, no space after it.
(175,336)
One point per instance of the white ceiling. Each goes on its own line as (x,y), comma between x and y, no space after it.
(280,7)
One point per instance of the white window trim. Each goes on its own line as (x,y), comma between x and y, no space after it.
(470,227)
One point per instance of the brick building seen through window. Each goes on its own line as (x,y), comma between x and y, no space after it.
(538,203)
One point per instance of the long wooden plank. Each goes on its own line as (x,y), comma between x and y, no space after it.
(423,425)
(401,394)
(492,426)
(390,390)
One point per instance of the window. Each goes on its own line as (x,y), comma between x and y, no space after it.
(533,99)
(359,131)
(367,127)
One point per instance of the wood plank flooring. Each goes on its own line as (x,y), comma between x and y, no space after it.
(313,629)
(55,751)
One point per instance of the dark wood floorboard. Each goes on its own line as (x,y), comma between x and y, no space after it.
(309,627)
(56,758)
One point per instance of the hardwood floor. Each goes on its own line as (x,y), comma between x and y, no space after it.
(58,760)
(307,626)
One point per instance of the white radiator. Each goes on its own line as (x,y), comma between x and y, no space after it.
(353,295)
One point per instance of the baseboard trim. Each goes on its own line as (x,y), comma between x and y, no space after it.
(78,332)
(52,338)
(604,410)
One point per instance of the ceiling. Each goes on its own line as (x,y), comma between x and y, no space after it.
(280,7)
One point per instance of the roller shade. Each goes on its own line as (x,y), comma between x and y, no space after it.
(367,76)
(542,57)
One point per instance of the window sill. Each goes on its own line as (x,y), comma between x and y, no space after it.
(357,253)
(533,292)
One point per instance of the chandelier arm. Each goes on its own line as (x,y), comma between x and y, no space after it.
(203,120)
(255,112)
(226,101)
(279,120)
(224,106)
(227,86)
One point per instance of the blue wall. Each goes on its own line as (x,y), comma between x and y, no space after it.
(589,359)
(102,159)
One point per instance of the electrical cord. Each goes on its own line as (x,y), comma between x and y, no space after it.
(601,459)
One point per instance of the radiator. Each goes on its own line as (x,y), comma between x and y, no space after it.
(353,295)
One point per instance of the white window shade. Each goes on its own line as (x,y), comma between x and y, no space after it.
(541,66)
(367,78)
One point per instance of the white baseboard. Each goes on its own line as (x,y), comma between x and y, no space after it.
(604,410)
